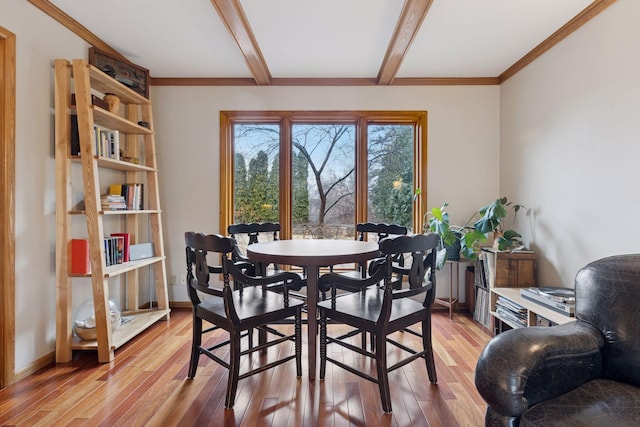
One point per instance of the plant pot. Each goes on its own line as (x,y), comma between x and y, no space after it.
(496,235)
(453,250)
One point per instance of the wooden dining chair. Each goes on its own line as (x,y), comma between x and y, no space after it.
(256,232)
(383,311)
(250,305)
(250,233)
(364,231)
(378,231)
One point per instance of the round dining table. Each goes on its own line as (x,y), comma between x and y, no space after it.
(312,254)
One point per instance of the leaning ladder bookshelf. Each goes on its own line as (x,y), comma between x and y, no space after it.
(83,80)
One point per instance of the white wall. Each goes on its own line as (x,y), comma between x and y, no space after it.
(39,40)
(463,135)
(570,148)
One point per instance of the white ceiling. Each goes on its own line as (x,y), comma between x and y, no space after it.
(323,38)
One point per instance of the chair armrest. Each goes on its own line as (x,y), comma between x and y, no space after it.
(333,281)
(521,367)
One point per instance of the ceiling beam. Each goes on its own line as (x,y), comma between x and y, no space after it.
(578,21)
(411,17)
(233,16)
(77,28)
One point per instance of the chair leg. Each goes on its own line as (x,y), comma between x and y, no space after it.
(428,350)
(262,338)
(323,344)
(298,342)
(234,368)
(195,345)
(383,374)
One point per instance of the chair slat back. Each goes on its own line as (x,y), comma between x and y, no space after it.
(421,273)
(199,247)
(254,229)
(252,232)
(382,230)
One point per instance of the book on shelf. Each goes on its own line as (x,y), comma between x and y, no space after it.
(479,274)
(489,260)
(107,142)
(114,250)
(481,312)
(74,140)
(79,261)
(126,243)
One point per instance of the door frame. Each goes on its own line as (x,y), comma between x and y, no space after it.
(7,205)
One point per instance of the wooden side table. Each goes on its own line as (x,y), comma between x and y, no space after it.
(451,301)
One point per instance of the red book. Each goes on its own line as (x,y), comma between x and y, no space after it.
(79,261)
(127,243)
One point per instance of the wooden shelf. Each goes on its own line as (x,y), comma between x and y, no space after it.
(501,270)
(115,122)
(104,83)
(122,334)
(533,309)
(116,270)
(105,162)
(80,80)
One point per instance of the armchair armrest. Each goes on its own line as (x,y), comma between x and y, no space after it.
(522,367)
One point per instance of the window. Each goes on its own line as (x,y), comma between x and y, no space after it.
(320,173)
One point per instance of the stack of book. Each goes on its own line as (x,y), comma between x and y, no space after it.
(562,300)
(131,193)
(513,313)
(113,202)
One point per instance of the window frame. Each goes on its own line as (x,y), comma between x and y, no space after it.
(361,120)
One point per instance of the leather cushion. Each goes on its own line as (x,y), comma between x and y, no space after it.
(596,403)
(607,295)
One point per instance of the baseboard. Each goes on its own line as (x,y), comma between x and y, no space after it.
(35,366)
(179,304)
(172,304)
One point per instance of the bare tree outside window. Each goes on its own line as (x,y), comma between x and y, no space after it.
(329,151)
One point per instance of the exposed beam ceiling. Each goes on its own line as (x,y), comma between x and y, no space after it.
(332,42)
(409,23)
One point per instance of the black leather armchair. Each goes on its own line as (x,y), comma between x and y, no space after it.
(584,373)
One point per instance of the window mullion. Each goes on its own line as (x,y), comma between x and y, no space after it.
(286,178)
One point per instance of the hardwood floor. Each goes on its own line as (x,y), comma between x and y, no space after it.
(147,385)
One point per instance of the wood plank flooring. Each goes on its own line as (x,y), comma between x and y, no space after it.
(147,385)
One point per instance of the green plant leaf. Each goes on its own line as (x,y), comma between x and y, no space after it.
(441,258)
(492,216)
(509,240)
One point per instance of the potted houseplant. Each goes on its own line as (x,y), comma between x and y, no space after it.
(454,239)
(475,232)
(491,221)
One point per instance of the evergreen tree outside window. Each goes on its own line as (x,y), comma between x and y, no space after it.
(390,172)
